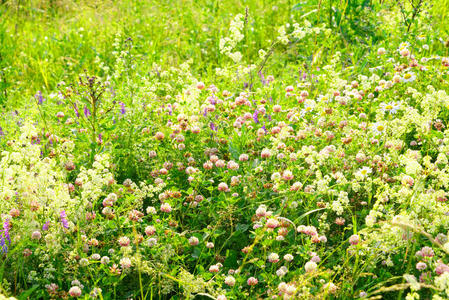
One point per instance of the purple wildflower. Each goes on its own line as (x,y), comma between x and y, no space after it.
(100,138)
(86,112)
(4,236)
(255,116)
(212,100)
(39,97)
(122,108)
(213,127)
(46,226)
(1,132)
(63,219)
(76,110)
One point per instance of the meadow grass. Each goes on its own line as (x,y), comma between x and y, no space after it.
(142,158)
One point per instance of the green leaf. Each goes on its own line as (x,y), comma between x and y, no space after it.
(28,292)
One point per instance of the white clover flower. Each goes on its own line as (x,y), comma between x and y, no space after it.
(310,266)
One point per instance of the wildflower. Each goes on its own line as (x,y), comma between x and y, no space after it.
(363,172)
(281,271)
(151,242)
(404,52)
(261,211)
(193,241)
(409,77)
(309,230)
(15,212)
(75,291)
(310,266)
(4,236)
(407,180)
(381,51)
(340,221)
(159,136)
(63,219)
(214,269)
(122,108)
(200,85)
(220,163)
(354,239)
(115,270)
(421,266)
(256,117)
(441,268)
(378,128)
(223,187)
(229,280)
(243,157)
(425,252)
(273,257)
(165,207)
(39,97)
(105,260)
(330,287)
(275,176)
(86,112)
(252,281)
(36,235)
(209,245)
(83,262)
(277,108)
(125,262)
(391,107)
(288,257)
(445,61)
(124,241)
(296,186)
(266,153)
(309,105)
(135,215)
(287,175)
(272,223)
(96,256)
(150,230)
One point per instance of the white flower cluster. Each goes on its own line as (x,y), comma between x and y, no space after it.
(27,178)
(92,181)
(227,44)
